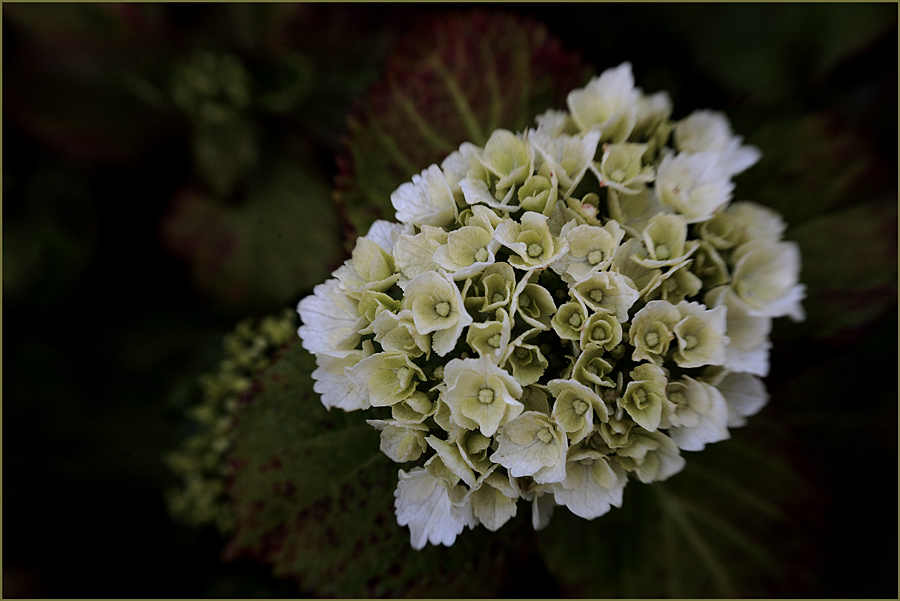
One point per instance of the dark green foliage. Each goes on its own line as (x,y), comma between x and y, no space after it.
(453,80)
(313,496)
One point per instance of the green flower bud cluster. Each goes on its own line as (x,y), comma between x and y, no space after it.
(557,311)
(200,461)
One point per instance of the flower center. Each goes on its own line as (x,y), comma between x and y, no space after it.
(545,435)
(579,406)
(486,396)
(497,297)
(494,341)
(596,295)
(442,308)
(640,398)
(595,257)
(521,353)
(690,342)
(535,250)
(662,252)
(575,320)
(524,300)
(482,255)
(651,338)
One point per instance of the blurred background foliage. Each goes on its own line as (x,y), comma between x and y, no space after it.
(173,169)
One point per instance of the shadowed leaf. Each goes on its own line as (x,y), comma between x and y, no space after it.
(282,240)
(706,532)
(313,496)
(453,80)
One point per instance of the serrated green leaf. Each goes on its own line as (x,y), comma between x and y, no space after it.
(450,81)
(313,496)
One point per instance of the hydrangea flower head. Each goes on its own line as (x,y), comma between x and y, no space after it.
(557,313)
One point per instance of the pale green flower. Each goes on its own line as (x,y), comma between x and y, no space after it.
(414,253)
(652,456)
(653,112)
(467,252)
(709,265)
(707,130)
(590,249)
(568,321)
(398,333)
(621,168)
(371,303)
(693,184)
(602,328)
(437,309)
(764,279)
(609,350)
(495,289)
(607,291)
(644,279)
(494,500)
(652,331)
(389,377)
(414,409)
(539,194)
(748,335)
(400,441)
(634,211)
(533,304)
(474,447)
(452,458)
(427,200)
(552,123)
(526,361)
(531,241)
(608,103)
(423,503)
(575,407)
(480,394)
(478,192)
(534,398)
(645,396)
(509,158)
(331,320)
(745,394)
(593,485)
(490,338)
(679,283)
(370,268)
(665,240)
(593,366)
(533,445)
(460,164)
(699,414)
(741,222)
(330,379)
(701,335)
(566,158)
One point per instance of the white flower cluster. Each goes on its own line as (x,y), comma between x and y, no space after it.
(556,311)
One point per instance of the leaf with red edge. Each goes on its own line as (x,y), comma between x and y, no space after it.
(453,80)
(312,495)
